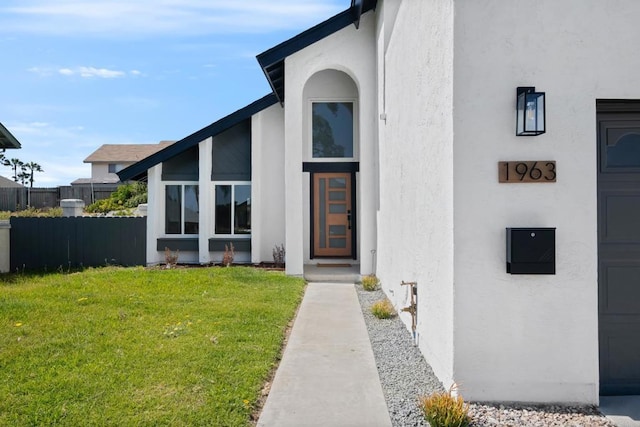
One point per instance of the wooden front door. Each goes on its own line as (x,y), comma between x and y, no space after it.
(619,247)
(332,215)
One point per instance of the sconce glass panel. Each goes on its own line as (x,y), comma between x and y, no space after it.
(530,106)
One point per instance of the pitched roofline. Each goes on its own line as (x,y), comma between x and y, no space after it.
(272,60)
(7,137)
(138,170)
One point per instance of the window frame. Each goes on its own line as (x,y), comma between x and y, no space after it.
(182,185)
(233,185)
(356,129)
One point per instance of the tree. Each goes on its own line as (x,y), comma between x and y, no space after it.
(23,177)
(14,164)
(32,167)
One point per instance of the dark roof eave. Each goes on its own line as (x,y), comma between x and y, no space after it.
(273,59)
(7,140)
(138,170)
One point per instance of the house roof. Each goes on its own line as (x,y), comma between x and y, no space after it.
(272,63)
(7,183)
(272,60)
(6,139)
(125,153)
(138,170)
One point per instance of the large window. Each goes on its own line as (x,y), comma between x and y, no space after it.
(332,129)
(181,209)
(233,209)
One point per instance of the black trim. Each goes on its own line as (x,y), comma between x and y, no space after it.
(617,105)
(7,140)
(331,167)
(138,170)
(189,244)
(272,60)
(216,244)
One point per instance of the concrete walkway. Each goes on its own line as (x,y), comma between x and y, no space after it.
(623,411)
(328,375)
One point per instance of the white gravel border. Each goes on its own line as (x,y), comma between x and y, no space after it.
(405,375)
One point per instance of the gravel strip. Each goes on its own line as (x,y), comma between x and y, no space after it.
(405,375)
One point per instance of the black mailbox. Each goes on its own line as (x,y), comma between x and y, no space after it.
(531,250)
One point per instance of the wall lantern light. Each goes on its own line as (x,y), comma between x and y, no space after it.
(530,118)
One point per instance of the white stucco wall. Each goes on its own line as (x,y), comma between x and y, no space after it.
(101,170)
(416,173)
(155,214)
(544,329)
(351,51)
(267,186)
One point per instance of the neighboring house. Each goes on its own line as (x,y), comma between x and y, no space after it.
(7,141)
(381,144)
(8,183)
(110,159)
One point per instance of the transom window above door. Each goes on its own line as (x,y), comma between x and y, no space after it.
(332,129)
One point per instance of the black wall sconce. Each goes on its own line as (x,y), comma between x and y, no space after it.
(530,106)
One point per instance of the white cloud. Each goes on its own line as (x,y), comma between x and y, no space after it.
(124,18)
(91,72)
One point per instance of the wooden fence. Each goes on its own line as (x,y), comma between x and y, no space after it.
(15,199)
(69,243)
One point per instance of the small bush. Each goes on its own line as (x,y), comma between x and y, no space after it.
(445,410)
(370,282)
(33,212)
(229,255)
(170,258)
(127,196)
(383,309)
(278,255)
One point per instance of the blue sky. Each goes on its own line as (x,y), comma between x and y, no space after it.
(77,74)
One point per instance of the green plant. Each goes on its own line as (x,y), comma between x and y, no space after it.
(34,212)
(383,309)
(127,196)
(370,282)
(445,410)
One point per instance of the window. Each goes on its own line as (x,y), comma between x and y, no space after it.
(332,129)
(181,209)
(233,209)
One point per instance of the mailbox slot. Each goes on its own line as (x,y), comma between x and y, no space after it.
(531,250)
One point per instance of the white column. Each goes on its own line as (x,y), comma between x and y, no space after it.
(256,187)
(155,214)
(206,201)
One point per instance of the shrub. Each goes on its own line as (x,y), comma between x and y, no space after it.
(34,212)
(126,196)
(229,254)
(170,258)
(278,255)
(370,282)
(383,309)
(445,410)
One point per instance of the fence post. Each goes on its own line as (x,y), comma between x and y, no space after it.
(5,246)
(72,207)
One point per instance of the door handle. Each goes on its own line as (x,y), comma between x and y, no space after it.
(349,219)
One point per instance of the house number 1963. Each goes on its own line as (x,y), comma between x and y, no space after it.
(527,171)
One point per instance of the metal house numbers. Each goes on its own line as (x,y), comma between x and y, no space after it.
(527,171)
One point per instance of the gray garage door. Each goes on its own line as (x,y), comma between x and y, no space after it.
(619,246)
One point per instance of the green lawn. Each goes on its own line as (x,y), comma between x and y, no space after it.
(121,347)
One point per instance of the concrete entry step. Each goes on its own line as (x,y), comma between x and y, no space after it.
(326,272)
